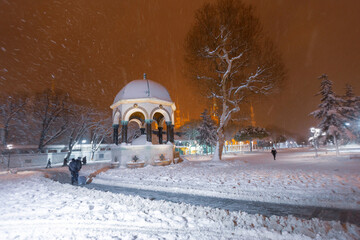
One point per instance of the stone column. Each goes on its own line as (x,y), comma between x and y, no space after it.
(115,133)
(160,129)
(148,130)
(124,125)
(172,133)
(168,130)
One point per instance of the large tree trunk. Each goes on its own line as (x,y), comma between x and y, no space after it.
(219,145)
(225,115)
(6,134)
(71,146)
(68,155)
(41,142)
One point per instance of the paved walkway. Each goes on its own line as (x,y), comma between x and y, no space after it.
(252,207)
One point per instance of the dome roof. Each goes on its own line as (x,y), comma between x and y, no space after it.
(143,89)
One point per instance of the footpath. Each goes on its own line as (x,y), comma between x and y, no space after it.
(251,207)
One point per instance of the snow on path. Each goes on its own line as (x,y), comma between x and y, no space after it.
(294,178)
(35,207)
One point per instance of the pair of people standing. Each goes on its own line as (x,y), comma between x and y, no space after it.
(74,167)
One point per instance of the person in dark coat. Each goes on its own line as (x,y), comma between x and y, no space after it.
(273,152)
(48,165)
(74,167)
(78,164)
(84,160)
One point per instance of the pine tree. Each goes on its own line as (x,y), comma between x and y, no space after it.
(250,133)
(331,113)
(351,110)
(207,130)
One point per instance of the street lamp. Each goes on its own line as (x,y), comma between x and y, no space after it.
(316,134)
(9,147)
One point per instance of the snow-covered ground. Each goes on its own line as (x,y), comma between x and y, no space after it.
(35,207)
(294,178)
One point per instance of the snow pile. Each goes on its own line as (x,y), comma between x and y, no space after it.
(294,178)
(34,207)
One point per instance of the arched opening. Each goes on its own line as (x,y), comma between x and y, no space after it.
(138,111)
(135,126)
(158,122)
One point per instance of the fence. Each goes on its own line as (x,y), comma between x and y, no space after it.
(28,160)
(197,149)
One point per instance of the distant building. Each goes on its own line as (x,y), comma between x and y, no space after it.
(213,112)
(181,119)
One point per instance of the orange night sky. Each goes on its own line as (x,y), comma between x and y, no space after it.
(93,48)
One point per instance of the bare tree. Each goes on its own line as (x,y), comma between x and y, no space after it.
(228,54)
(50,114)
(100,130)
(10,108)
(80,122)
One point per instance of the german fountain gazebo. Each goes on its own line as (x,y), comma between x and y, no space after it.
(143,113)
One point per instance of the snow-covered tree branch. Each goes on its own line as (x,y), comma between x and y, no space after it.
(50,115)
(228,53)
(80,121)
(100,130)
(10,107)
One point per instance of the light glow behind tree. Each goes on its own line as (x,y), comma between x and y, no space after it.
(231,59)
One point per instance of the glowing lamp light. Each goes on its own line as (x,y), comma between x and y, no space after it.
(347,124)
(83,141)
(9,146)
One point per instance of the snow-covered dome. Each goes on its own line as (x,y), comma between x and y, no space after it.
(143,89)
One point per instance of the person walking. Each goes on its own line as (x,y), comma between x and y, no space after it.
(48,165)
(78,164)
(273,152)
(74,167)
